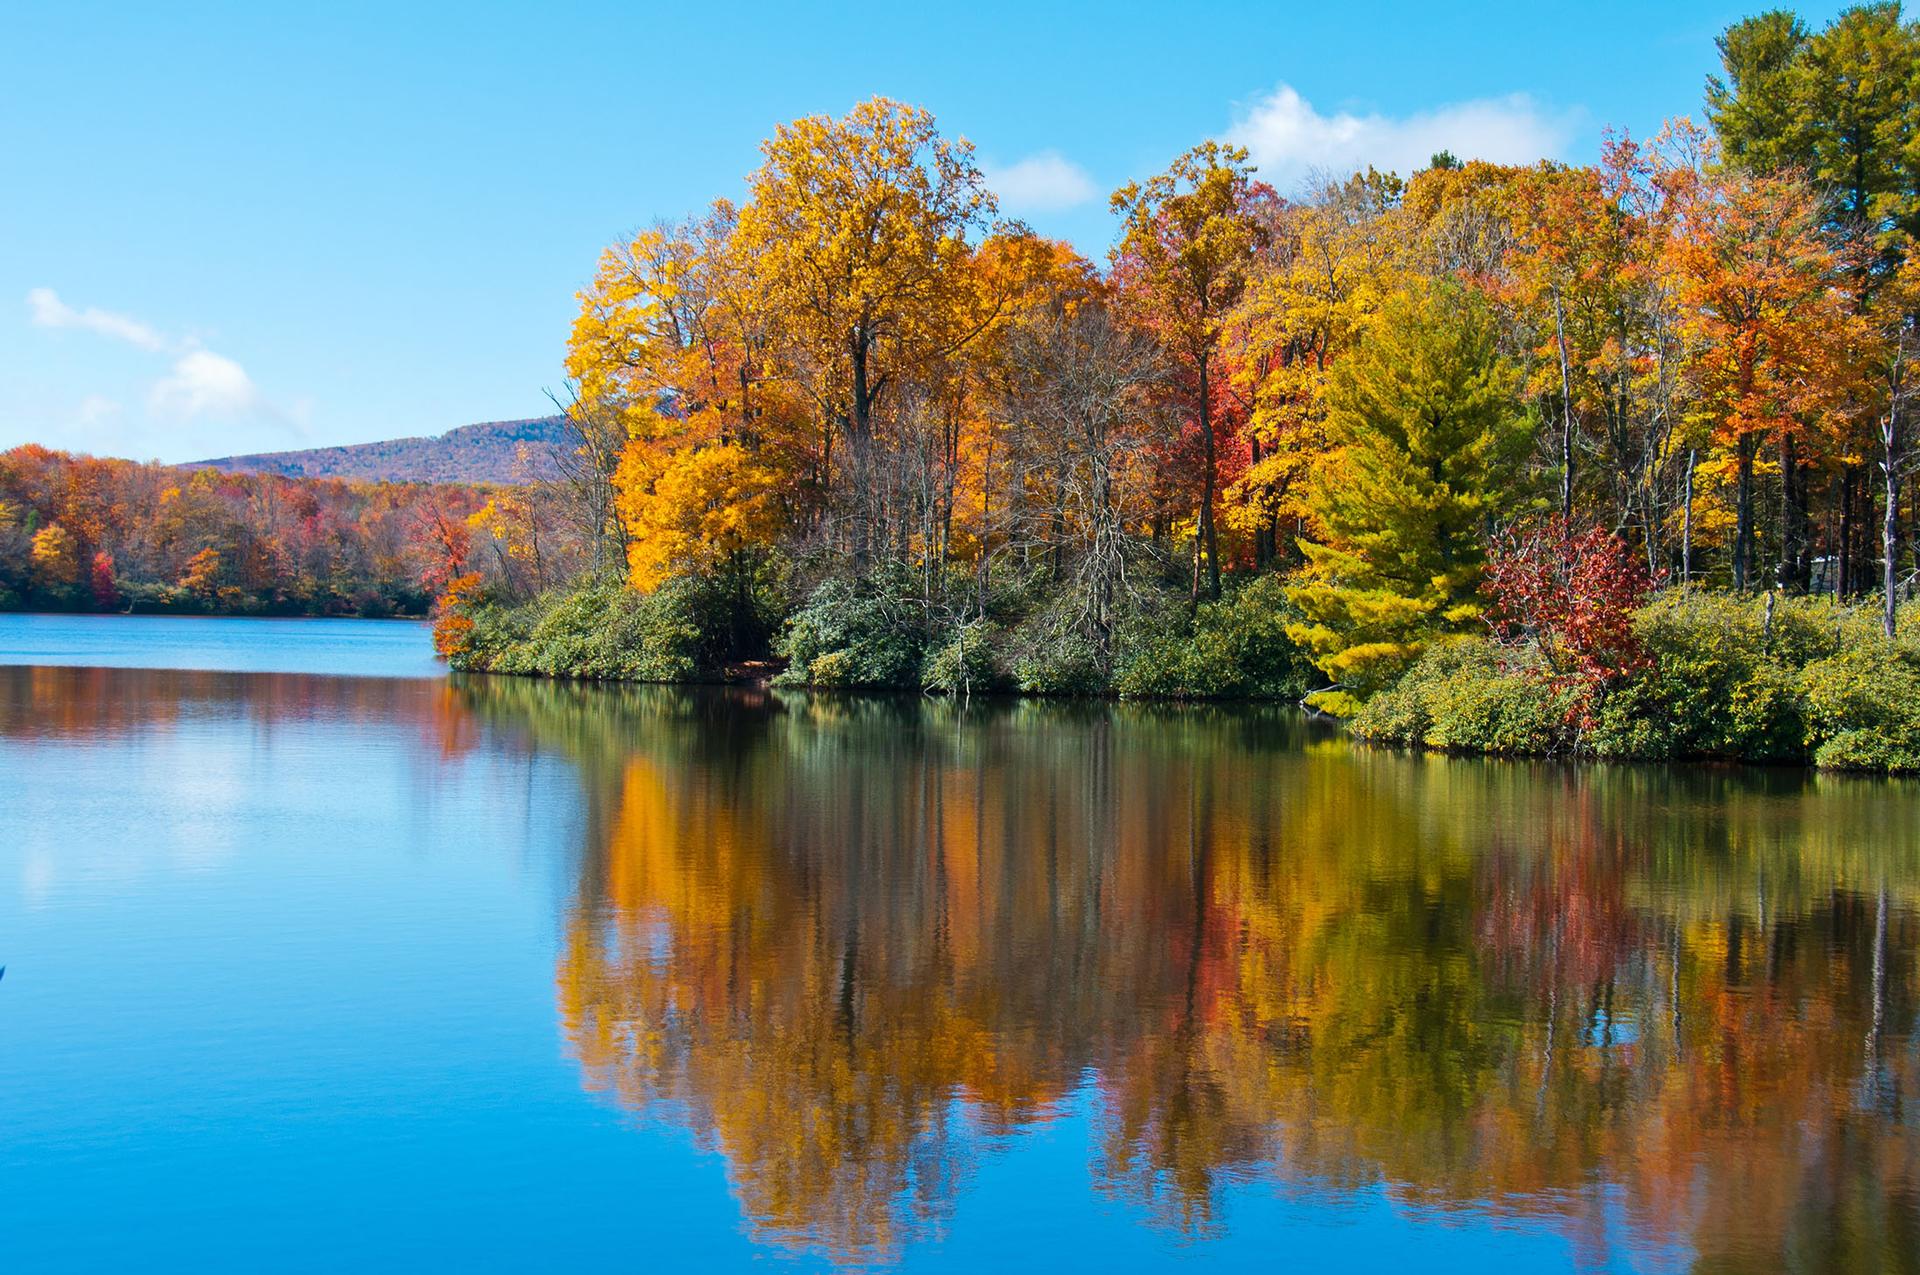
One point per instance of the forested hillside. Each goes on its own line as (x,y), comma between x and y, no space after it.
(80,533)
(489,452)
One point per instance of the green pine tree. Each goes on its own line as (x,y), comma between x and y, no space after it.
(1431,450)
(1841,105)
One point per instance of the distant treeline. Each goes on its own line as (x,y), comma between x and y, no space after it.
(86,534)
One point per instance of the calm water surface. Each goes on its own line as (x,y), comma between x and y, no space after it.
(321,972)
(350,648)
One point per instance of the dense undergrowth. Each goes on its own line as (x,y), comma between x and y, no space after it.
(880,634)
(1721,679)
(1794,680)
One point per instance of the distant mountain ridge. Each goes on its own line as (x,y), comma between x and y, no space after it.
(488,452)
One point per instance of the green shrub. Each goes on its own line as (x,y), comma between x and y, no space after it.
(857,633)
(1247,632)
(1400,714)
(1157,668)
(1721,684)
(497,633)
(1472,696)
(1055,660)
(1631,724)
(1514,713)
(1817,681)
(599,630)
(1235,648)
(1863,708)
(969,663)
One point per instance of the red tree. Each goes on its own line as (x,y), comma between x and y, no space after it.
(106,594)
(1573,593)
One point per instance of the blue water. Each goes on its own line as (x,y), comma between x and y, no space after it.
(347,648)
(316,972)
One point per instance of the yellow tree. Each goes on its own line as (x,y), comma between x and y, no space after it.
(516,523)
(673,338)
(203,575)
(674,321)
(1331,261)
(859,227)
(1430,450)
(695,509)
(55,558)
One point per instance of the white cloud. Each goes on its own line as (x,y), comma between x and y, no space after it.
(49,311)
(1290,141)
(203,383)
(1043,182)
(96,409)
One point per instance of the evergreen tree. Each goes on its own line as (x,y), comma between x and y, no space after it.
(1430,449)
(1756,108)
(1841,105)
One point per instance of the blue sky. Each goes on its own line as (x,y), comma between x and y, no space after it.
(240,227)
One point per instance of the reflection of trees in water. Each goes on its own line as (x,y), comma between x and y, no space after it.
(847,941)
(40,702)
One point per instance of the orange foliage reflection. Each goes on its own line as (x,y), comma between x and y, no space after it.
(847,943)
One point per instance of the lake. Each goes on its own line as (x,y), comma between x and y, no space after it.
(311,971)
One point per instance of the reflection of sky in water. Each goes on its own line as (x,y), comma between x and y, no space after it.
(356,648)
(322,972)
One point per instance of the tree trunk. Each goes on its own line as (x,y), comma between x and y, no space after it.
(1844,584)
(1566,410)
(1686,523)
(859,438)
(1207,537)
(1791,574)
(1890,526)
(1743,515)
(1262,537)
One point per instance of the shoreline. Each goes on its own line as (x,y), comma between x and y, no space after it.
(1326,722)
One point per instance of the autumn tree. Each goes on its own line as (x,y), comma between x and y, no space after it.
(962,488)
(100,581)
(515,522)
(204,574)
(694,510)
(1327,264)
(671,352)
(1773,337)
(15,546)
(1188,242)
(1840,107)
(860,228)
(1429,453)
(55,557)
(1587,280)
(1572,592)
(446,544)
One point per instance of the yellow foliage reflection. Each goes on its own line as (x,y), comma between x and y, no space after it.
(849,943)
